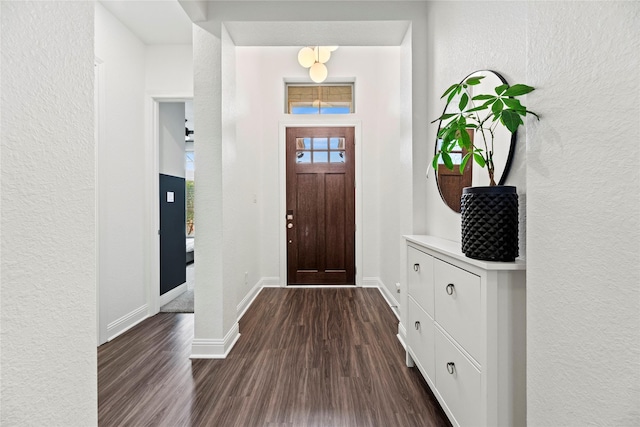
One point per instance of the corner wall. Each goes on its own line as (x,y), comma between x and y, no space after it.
(121,174)
(48,265)
(215,309)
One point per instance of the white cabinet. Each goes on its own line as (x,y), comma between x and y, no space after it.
(458,382)
(421,334)
(466,332)
(420,279)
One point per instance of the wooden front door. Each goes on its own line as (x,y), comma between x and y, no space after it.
(320,206)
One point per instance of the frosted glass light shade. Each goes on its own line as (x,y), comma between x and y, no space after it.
(318,72)
(331,48)
(306,57)
(322,54)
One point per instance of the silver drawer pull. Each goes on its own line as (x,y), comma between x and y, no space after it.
(450,289)
(417,325)
(451,368)
(416,267)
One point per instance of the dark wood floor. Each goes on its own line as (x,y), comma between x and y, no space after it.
(306,357)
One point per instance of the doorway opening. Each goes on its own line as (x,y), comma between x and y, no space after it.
(172,286)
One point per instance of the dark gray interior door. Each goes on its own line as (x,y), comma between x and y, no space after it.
(172,232)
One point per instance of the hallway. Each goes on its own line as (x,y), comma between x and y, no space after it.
(306,357)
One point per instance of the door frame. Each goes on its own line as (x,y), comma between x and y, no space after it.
(100,212)
(282,170)
(152,165)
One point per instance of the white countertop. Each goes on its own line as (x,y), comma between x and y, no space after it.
(453,250)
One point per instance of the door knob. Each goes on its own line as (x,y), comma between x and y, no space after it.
(289,225)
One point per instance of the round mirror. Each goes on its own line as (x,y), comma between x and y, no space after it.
(451,182)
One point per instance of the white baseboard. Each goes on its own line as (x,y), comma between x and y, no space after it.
(375,282)
(174,293)
(220,348)
(248,299)
(371,282)
(270,282)
(402,335)
(215,348)
(126,322)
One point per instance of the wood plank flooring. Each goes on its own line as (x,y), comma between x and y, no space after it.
(306,357)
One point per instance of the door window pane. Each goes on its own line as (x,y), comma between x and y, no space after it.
(337,157)
(320,143)
(320,157)
(303,143)
(303,157)
(336,143)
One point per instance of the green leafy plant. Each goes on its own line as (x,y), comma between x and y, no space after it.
(502,108)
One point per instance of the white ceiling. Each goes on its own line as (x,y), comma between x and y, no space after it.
(326,33)
(153,21)
(166,22)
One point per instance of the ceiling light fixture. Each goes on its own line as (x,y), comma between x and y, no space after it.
(314,59)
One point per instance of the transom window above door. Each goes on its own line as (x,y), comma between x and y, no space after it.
(320,150)
(334,98)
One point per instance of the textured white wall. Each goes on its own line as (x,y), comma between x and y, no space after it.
(171,135)
(48,353)
(453,54)
(210,298)
(225,247)
(121,170)
(583,184)
(260,87)
(238,215)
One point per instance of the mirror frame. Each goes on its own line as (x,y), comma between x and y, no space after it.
(512,143)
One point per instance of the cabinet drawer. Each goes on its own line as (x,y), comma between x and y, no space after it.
(420,278)
(457,301)
(458,382)
(420,336)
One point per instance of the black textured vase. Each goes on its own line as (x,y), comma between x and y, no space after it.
(490,223)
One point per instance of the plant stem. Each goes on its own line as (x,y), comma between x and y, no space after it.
(488,157)
(492,182)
